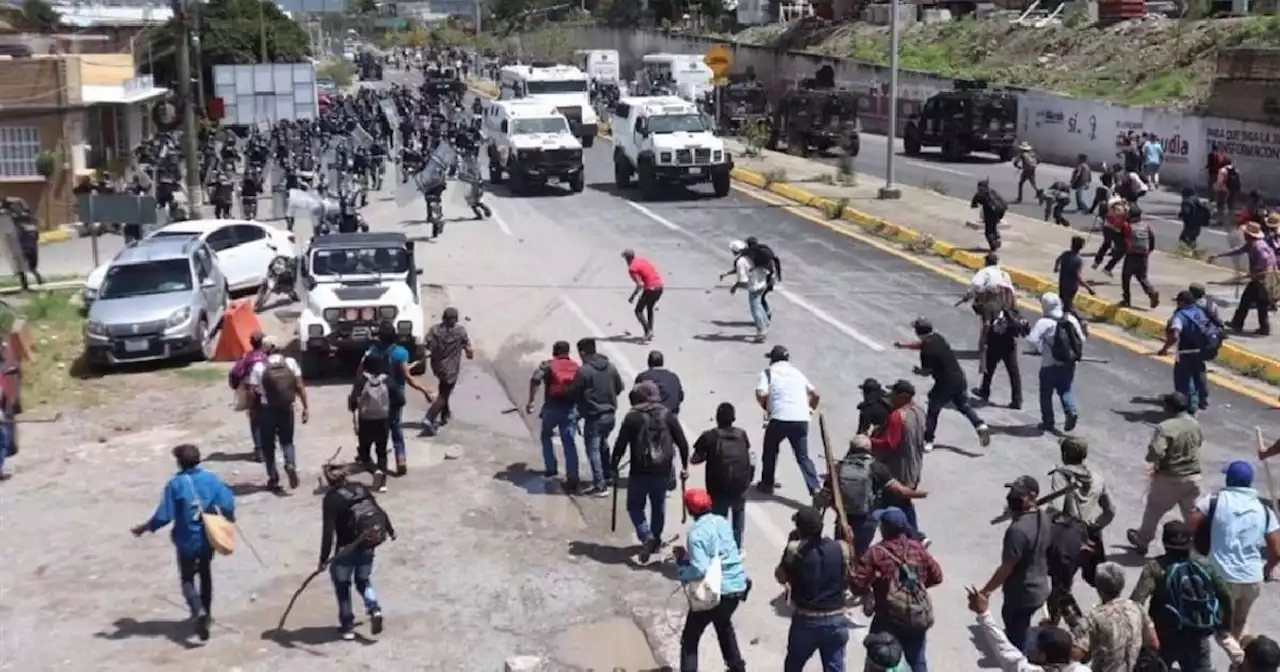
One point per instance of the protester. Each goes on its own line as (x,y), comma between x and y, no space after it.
(731,467)
(755,280)
(1087,500)
(1052,651)
(648,289)
(950,388)
(238,379)
(1262,263)
(866,487)
(1114,225)
(1112,635)
(1174,456)
(192,490)
(993,209)
(884,654)
(373,400)
(1026,163)
(277,382)
(1195,214)
(445,344)
(873,410)
(1139,243)
(350,515)
(1023,573)
(1070,269)
(670,391)
(709,540)
(595,391)
(558,414)
(1059,339)
(395,358)
(816,571)
(788,399)
(652,434)
(900,445)
(1261,654)
(1081,181)
(1003,325)
(1197,339)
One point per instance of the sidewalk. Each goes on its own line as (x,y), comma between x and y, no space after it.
(931,221)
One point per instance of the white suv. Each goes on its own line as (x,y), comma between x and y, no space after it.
(663,139)
(533,144)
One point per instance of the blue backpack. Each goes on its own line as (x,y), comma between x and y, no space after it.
(1198,332)
(1192,601)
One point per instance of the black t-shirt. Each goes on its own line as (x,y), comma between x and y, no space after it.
(1027,539)
(670,392)
(1069,265)
(937,357)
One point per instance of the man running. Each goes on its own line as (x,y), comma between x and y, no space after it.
(648,288)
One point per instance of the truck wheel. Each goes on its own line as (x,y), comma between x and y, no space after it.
(648,182)
(1006,154)
(621,174)
(310,365)
(720,182)
(588,141)
(495,168)
(517,183)
(577,182)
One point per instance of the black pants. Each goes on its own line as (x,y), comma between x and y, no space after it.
(371,438)
(720,618)
(991,230)
(1135,267)
(644,308)
(191,567)
(1190,233)
(440,407)
(1112,241)
(1027,177)
(1007,354)
(1254,297)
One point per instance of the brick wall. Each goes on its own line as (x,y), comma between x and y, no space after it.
(52,199)
(37,83)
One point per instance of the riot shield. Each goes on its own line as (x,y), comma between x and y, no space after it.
(10,248)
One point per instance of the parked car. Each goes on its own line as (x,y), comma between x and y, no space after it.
(244,249)
(160,299)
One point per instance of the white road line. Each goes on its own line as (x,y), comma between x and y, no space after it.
(785,293)
(940,169)
(502,223)
(772,533)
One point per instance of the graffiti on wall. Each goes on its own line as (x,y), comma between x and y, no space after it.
(1245,143)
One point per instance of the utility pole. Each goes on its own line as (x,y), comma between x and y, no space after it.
(190,136)
(262,28)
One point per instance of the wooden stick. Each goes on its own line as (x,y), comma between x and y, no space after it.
(842,520)
(1266,468)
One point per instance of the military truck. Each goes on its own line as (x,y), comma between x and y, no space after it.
(368,67)
(971,118)
(743,101)
(813,118)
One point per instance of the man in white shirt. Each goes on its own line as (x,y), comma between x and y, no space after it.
(277,383)
(755,281)
(1057,374)
(789,398)
(989,282)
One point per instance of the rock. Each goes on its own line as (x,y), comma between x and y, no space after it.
(523,664)
(452,452)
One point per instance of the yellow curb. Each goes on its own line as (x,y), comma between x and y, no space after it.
(1238,359)
(54,236)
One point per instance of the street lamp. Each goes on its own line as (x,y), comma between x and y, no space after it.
(890,191)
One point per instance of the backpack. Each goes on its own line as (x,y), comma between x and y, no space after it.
(560,375)
(1198,332)
(998,205)
(1191,599)
(279,384)
(762,256)
(364,517)
(1139,238)
(1201,214)
(653,449)
(856,489)
(730,471)
(1233,180)
(906,602)
(375,398)
(1066,346)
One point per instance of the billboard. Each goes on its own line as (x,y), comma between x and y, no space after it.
(266,92)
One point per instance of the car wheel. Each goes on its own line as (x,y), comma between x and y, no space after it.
(621,174)
(648,182)
(720,182)
(205,348)
(577,183)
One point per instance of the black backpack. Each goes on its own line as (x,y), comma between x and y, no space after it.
(729,469)
(364,518)
(762,256)
(1066,347)
(998,205)
(653,450)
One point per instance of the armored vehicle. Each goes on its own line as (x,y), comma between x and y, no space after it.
(972,118)
(742,101)
(811,118)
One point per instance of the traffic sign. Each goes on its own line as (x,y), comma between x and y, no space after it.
(719,60)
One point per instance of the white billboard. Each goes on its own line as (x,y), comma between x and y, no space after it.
(266,92)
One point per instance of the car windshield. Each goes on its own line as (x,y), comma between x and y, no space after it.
(564,86)
(359,261)
(547,125)
(152,277)
(677,123)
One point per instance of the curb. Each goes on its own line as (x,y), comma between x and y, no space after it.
(54,236)
(1233,357)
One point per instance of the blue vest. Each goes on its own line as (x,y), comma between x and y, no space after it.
(817,576)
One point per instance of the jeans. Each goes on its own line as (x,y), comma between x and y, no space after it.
(255,431)
(595,441)
(5,446)
(733,507)
(912,642)
(864,533)
(1060,379)
(1017,624)
(1189,653)
(277,424)
(720,618)
(797,434)
(1005,352)
(760,316)
(1080,199)
(1191,379)
(397,432)
(940,399)
(344,568)
(189,567)
(559,418)
(825,635)
(650,489)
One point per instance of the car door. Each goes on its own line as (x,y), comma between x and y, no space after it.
(255,246)
(210,290)
(223,243)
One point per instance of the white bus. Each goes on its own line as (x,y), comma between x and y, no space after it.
(563,86)
(691,76)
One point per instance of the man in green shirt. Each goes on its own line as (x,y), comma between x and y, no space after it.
(1174,456)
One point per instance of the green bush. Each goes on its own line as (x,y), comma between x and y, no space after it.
(341,72)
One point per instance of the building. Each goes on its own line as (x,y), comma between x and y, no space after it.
(82,111)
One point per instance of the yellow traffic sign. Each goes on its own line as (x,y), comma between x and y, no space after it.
(719,60)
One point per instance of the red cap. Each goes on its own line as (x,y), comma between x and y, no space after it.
(697,501)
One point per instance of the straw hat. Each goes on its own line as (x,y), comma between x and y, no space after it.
(1025,146)
(1251,230)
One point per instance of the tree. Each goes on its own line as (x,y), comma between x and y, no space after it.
(231,33)
(40,16)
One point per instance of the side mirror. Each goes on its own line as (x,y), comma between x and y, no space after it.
(309,282)
(208,283)
(417,271)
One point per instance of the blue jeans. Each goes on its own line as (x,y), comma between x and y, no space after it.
(648,489)
(190,569)
(733,508)
(342,570)
(397,431)
(277,425)
(912,642)
(255,431)
(1191,379)
(559,418)
(1080,204)
(1060,379)
(1017,625)
(595,440)
(755,303)
(825,635)
(797,434)
(4,446)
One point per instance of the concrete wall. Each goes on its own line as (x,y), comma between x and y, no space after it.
(105,69)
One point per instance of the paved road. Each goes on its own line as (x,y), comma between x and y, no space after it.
(547,268)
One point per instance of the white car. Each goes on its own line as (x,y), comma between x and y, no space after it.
(663,139)
(244,250)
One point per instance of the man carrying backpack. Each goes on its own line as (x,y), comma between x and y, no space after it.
(1197,340)
(354,525)
(395,360)
(1140,242)
(558,413)
(993,209)
(755,280)
(866,486)
(1059,339)
(595,390)
(1190,601)
(653,434)
(763,257)
(277,382)
(898,572)
(1195,214)
(373,398)
(731,467)
(238,379)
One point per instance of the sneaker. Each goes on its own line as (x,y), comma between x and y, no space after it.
(572,485)
(402,468)
(347,634)
(598,490)
(550,473)
(428,429)
(1015,405)
(647,550)
(980,393)
(928,446)
(984,435)
(292,474)
(202,627)
(1070,422)
(1132,537)
(380,481)
(764,488)
(926,542)
(1155,299)
(375,622)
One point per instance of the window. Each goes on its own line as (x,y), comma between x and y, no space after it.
(562,86)
(19,146)
(544,125)
(152,277)
(246,233)
(222,239)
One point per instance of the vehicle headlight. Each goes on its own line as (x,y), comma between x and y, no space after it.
(332,314)
(367,314)
(351,314)
(388,312)
(89,294)
(575,153)
(95,328)
(178,317)
(717,156)
(664,157)
(404,327)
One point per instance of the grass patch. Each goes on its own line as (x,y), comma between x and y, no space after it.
(201,374)
(56,330)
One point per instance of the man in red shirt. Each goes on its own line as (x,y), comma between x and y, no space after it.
(648,288)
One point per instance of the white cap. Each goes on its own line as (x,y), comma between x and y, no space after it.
(737,246)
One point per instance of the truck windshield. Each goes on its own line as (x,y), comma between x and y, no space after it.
(360,261)
(677,123)
(152,277)
(547,125)
(564,86)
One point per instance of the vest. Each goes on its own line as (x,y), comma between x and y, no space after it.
(817,575)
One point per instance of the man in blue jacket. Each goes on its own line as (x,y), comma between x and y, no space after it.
(189,493)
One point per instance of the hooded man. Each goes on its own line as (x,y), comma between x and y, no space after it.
(1059,339)
(595,390)
(653,434)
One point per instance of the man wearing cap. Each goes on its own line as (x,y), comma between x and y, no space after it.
(950,388)
(900,446)
(884,654)
(1238,526)
(1187,649)
(1088,509)
(816,571)
(788,398)
(873,411)
(1174,456)
(1195,338)
(237,379)
(710,536)
(1052,651)
(1262,263)
(879,568)
(1024,566)
(756,281)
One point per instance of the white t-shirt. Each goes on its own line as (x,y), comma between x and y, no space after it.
(754,279)
(990,278)
(788,391)
(255,374)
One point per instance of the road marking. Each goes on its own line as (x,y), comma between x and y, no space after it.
(772,533)
(941,169)
(785,293)
(502,223)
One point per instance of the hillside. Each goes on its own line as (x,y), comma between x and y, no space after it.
(1150,62)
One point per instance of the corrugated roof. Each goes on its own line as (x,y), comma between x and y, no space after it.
(86,16)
